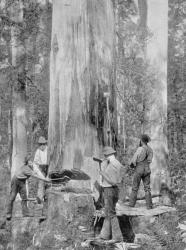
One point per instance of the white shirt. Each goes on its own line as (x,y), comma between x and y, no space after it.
(103,182)
(112,167)
(40,157)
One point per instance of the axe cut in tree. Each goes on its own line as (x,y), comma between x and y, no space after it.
(66,175)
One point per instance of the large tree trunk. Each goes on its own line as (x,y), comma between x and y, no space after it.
(157,22)
(19,120)
(82,96)
(82,102)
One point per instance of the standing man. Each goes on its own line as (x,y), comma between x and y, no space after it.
(141,162)
(41,165)
(18,185)
(111,177)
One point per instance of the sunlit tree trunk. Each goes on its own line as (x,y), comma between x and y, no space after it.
(82,79)
(157,23)
(19,120)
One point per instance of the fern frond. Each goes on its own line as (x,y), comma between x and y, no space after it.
(182,227)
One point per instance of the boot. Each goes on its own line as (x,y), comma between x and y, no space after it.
(148,199)
(106,232)
(133,198)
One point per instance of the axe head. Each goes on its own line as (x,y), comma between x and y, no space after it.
(97,159)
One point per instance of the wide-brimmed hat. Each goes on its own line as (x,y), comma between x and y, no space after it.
(108,151)
(42,140)
(145,138)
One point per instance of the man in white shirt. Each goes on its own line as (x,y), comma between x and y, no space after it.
(40,164)
(111,178)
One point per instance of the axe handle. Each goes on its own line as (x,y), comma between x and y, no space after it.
(100,166)
(99,161)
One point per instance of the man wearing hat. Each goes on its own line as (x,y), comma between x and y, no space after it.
(41,165)
(111,177)
(141,162)
(18,185)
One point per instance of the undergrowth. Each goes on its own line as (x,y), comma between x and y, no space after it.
(163,234)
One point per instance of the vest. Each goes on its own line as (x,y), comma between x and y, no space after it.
(144,166)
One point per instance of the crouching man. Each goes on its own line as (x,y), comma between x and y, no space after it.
(111,177)
(18,185)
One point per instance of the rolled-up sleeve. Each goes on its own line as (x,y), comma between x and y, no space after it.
(136,155)
(37,158)
(27,171)
(36,161)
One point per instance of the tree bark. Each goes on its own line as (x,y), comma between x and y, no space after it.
(19,120)
(82,76)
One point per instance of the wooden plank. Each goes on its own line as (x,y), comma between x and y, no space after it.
(124,209)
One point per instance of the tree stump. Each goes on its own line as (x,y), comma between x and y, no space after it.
(69,222)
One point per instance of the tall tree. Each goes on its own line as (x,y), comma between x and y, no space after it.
(19,119)
(157,56)
(176,76)
(177,94)
(82,93)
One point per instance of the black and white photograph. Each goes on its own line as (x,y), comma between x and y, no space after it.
(92,124)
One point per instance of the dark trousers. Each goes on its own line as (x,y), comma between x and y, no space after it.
(110,195)
(17,186)
(142,172)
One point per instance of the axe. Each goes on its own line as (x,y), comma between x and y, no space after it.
(99,161)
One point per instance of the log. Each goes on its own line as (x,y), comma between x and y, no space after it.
(124,209)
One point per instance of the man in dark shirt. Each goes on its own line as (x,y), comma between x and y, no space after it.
(18,185)
(141,162)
